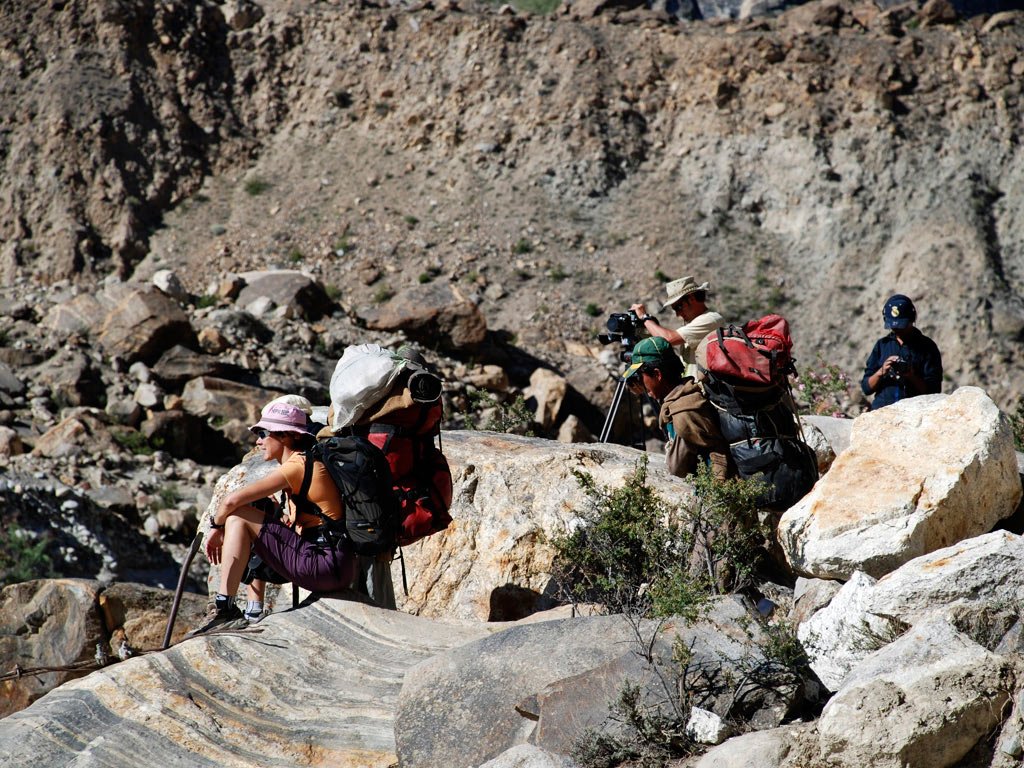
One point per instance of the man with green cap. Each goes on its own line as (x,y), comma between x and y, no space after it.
(688,419)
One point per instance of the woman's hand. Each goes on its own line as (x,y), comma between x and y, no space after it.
(214,545)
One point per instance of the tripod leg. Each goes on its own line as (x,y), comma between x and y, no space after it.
(609,421)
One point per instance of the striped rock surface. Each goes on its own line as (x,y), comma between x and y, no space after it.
(315,686)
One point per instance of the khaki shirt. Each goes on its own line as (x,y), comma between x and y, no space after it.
(693,333)
(690,423)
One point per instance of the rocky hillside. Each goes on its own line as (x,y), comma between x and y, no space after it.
(893,651)
(295,177)
(553,168)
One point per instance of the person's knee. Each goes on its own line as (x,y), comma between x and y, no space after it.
(243,526)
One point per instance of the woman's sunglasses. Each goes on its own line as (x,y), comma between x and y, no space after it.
(261,434)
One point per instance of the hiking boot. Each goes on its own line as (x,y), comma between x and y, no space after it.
(220,618)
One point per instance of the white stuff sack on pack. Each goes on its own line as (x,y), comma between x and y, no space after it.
(363,375)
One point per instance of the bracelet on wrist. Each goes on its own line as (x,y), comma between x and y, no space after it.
(646,318)
(215,526)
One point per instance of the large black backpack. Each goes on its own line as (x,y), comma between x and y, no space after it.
(361,472)
(764,438)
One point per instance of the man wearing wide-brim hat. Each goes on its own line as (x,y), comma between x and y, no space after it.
(688,300)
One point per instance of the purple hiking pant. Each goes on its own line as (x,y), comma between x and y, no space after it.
(318,569)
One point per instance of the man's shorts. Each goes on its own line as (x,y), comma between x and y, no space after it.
(303,562)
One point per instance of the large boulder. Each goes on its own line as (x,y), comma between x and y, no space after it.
(546,394)
(46,624)
(84,432)
(866,613)
(295,293)
(437,314)
(942,469)
(74,625)
(759,749)
(10,382)
(315,686)
(937,692)
(223,399)
(70,379)
(548,683)
(512,496)
(180,364)
(142,323)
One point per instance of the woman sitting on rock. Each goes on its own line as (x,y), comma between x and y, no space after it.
(287,545)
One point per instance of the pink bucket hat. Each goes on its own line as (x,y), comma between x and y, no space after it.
(281,417)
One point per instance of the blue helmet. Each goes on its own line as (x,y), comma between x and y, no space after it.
(899,312)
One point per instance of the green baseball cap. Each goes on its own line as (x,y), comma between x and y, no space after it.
(650,350)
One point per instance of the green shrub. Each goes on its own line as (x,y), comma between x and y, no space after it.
(206,300)
(634,553)
(512,418)
(256,186)
(22,557)
(382,294)
(557,274)
(169,496)
(424,277)
(593,310)
(343,244)
(824,389)
(411,221)
(1017,424)
(522,246)
(295,256)
(132,441)
(641,556)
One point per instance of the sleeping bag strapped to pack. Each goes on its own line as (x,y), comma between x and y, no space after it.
(746,379)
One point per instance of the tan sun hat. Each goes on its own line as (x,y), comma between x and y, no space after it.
(684,286)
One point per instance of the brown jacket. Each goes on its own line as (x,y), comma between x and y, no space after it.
(690,423)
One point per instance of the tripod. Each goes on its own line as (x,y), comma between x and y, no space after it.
(634,418)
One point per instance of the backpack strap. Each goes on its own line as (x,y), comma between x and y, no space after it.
(738,330)
(307,475)
(301,499)
(390,430)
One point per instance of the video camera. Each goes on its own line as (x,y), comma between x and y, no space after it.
(624,328)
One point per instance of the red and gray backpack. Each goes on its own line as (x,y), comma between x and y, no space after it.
(395,482)
(746,378)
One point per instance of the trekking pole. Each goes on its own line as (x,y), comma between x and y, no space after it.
(189,556)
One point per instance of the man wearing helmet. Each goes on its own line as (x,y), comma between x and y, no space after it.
(903,364)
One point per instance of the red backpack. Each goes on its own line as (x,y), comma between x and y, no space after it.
(404,430)
(758,353)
